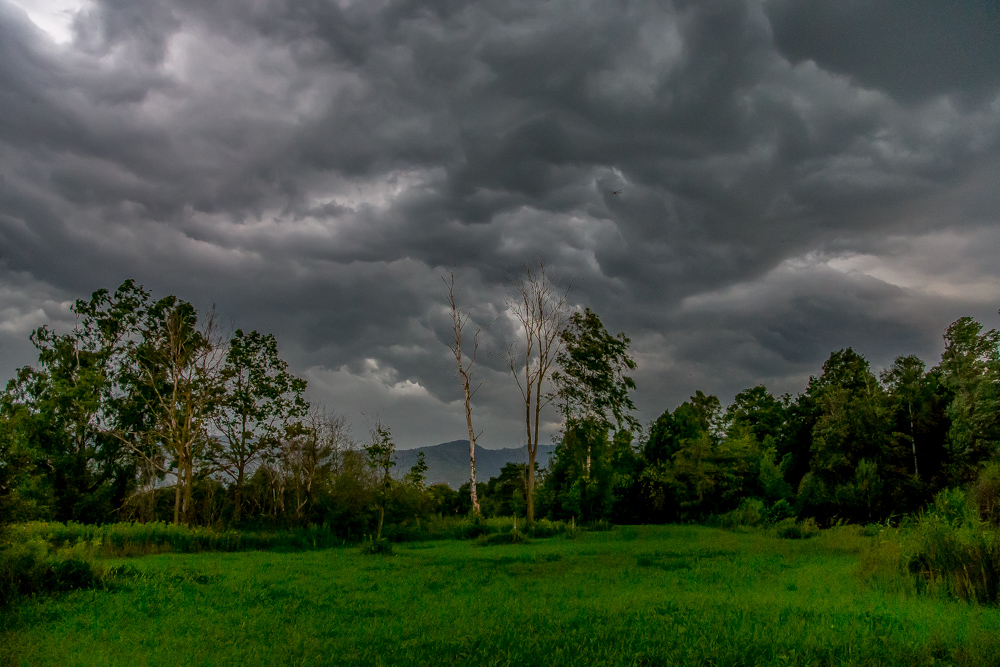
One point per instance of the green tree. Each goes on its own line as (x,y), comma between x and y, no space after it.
(854,425)
(260,400)
(969,370)
(177,380)
(381,454)
(69,412)
(592,390)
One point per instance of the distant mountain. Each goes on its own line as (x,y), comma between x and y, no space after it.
(449,461)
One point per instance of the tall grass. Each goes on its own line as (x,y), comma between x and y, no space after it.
(138,539)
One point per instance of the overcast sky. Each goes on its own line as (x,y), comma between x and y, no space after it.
(794,178)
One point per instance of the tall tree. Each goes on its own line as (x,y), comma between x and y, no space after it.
(910,392)
(592,390)
(69,409)
(854,425)
(381,453)
(261,398)
(459,320)
(970,369)
(178,381)
(539,311)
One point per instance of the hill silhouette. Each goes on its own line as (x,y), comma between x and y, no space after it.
(449,461)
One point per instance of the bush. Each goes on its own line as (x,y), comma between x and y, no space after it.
(789,529)
(31,567)
(948,551)
(750,513)
(513,537)
(984,495)
(379,548)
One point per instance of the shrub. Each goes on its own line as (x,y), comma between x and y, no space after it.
(31,567)
(376,548)
(789,529)
(779,511)
(513,537)
(545,528)
(984,495)
(948,551)
(750,513)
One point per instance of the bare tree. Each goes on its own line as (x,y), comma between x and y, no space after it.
(311,453)
(541,314)
(459,319)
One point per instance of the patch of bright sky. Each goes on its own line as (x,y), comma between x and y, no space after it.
(54,17)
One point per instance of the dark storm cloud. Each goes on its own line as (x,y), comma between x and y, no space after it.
(788,178)
(914,49)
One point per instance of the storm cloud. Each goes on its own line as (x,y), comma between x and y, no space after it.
(740,186)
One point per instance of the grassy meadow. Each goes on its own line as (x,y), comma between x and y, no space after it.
(647,595)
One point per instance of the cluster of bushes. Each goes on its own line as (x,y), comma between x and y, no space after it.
(33,566)
(952,549)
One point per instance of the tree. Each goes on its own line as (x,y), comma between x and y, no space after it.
(592,389)
(540,314)
(970,369)
(854,425)
(381,453)
(910,392)
(261,398)
(69,410)
(459,319)
(592,383)
(177,379)
(308,453)
(417,476)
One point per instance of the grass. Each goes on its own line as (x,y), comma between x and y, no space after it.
(651,595)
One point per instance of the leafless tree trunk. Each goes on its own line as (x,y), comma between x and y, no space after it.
(459,318)
(541,314)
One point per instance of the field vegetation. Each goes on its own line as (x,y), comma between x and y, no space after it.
(645,595)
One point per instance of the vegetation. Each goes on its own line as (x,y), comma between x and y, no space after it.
(145,413)
(648,595)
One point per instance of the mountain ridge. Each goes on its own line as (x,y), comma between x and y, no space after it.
(448,462)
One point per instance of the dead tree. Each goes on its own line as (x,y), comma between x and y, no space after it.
(541,314)
(459,318)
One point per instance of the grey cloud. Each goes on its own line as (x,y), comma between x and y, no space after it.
(313,168)
(913,49)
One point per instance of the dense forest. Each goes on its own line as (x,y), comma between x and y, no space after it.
(145,412)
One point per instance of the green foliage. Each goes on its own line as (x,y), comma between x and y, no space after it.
(260,403)
(31,567)
(381,453)
(948,551)
(593,384)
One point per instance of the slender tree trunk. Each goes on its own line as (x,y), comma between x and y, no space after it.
(177,493)
(529,484)
(913,442)
(188,484)
(474,494)
(239,495)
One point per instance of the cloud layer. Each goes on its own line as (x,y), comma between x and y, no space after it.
(791,178)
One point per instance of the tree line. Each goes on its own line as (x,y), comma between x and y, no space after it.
(145,411)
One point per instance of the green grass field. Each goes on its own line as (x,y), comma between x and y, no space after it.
(656,595)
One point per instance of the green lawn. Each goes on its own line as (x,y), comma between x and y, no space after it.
(657,595)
